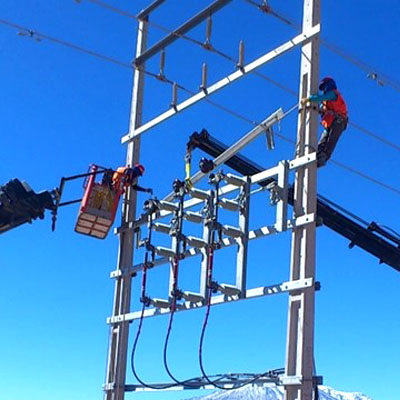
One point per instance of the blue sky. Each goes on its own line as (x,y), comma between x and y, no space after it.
(61,110)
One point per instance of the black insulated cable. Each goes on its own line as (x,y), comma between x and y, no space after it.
(179,188)
(211,288)
(146,302)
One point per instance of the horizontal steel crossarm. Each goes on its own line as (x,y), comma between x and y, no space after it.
(297,40)
(201,383)
(226,242)
(149,9)
(256,178)
(290,380)
(215,300)
(177,33)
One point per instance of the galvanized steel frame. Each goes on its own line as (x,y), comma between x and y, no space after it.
(301,286)
(281,172)
(289,45)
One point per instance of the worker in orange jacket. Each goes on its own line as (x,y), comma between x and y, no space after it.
(125,177)
(334,118)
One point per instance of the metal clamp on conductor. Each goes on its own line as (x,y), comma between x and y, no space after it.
(275,193)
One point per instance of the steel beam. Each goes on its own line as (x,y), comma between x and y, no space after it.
(300,328)
(118,342)
(282,206)
(201,383)
(299,285)
(177,33)
(226,242)
(289,45)
(148,10)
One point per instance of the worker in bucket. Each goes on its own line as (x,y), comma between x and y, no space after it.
(125,177)
(334,118)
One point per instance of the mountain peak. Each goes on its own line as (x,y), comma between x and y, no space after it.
(273,392)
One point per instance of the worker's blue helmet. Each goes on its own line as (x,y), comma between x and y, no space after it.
(327,84)
(139,169)
(132,173)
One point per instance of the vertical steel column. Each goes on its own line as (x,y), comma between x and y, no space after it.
(282,205)
(119,332)
(300,339)
(243,241)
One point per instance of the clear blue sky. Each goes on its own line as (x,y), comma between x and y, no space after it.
(61,110)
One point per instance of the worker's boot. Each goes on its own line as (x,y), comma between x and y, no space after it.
(322,158)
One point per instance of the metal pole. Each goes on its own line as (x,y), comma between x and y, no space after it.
(300,339)
(243,241)
(118,343)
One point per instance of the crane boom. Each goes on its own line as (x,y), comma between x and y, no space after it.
(370,237)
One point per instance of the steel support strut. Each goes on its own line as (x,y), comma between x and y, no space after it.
(243,240)
(118,342)
(300,337)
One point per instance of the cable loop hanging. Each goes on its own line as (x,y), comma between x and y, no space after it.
(179,188)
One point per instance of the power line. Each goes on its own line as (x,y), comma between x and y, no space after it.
(188,38)
(111,8)
(375,136)
(340,208)
(372,72)
(268,10)
(34,34)
(265,8)
(38,36)
(365,176)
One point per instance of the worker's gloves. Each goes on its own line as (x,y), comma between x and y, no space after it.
(149,191)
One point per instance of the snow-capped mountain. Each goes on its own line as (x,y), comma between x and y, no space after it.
(272,392)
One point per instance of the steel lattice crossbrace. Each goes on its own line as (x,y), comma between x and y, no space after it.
(238,236)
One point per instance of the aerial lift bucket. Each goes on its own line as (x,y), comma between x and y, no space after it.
(98,208)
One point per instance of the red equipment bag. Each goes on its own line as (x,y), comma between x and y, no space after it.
(98,208)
